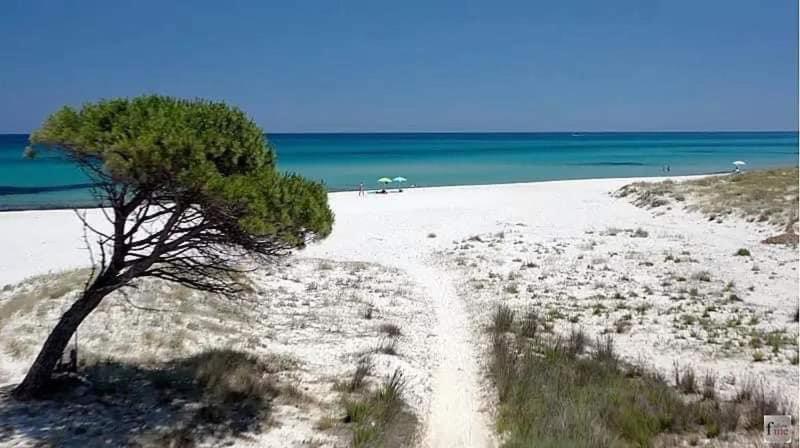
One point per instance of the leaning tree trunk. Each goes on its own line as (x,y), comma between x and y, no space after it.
(39,375)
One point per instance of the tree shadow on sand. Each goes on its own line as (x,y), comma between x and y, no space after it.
(212,395)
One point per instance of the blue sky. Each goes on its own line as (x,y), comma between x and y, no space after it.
(415,65)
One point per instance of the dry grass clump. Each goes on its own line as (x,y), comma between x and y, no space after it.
(529,325)
(685,379)
(503,319)
(387,347)
(649,194)
(769,196)
(561,391)
(358,380)
(390,329)
(231,387)
(230,376)
(32,292)
(757,402)
(709,386)
(788,238)
(368,311)
(363,370)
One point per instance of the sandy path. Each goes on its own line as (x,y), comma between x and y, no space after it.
(455,418)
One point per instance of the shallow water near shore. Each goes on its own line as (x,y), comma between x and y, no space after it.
(342,161)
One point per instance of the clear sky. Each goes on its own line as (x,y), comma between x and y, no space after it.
(410,65)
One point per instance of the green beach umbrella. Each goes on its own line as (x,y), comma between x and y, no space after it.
(385,181)
(399,180)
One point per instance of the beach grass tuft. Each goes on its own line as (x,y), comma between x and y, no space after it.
(503,319)
(380,417)
(390,329)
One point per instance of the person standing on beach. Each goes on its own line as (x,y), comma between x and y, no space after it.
(361,189)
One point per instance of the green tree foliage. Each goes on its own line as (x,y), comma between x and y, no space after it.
(189,188)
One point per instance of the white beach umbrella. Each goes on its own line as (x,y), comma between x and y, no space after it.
(739,163)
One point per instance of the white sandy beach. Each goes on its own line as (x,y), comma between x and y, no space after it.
(576,239)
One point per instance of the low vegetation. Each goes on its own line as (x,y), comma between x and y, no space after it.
(41,289)
(670,290)
(768,196)
(390,329)
(358,379)
(387,346)
(162,365)
(379,417)
(201,398)
(503,319)
(561,391)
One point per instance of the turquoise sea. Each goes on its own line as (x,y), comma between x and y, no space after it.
(433,159)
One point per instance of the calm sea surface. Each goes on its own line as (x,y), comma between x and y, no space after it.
(432,159)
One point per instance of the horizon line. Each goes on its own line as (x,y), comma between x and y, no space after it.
(672,131)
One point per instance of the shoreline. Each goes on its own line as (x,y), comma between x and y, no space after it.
(393,189)
(53,240)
